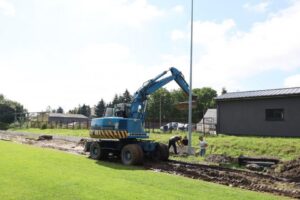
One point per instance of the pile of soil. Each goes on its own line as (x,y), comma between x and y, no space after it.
(255,181)
(220,158)
(289,170)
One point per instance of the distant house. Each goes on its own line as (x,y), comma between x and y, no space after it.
(66,118)
(274,112)
(60,118)
(209,122)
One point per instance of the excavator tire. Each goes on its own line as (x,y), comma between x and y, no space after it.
(96,152)
(164,151)
(132,154)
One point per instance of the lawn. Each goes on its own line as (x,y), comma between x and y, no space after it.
(29,172)
(283,148)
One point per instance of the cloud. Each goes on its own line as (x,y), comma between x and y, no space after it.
(260,7)
(131,12)
(72,60)
(292,81)
(225,55)
(178,9)
(207,32)
(7,8)
(177,35)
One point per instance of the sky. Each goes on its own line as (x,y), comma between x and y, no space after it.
(70,52)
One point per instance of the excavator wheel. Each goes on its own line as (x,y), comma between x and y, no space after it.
(164,152)
(161,153)
(132,154)
(96,152)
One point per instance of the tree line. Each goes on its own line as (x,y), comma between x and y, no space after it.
(85,110)
(161,105)
(10,111)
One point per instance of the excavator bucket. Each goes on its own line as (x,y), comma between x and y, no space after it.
(185,105)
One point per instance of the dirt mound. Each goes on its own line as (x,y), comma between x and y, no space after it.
(289,170)
(232,177)
(220,158)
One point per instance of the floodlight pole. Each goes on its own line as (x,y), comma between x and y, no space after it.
(190,93)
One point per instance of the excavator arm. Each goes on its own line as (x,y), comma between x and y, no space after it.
(138,104)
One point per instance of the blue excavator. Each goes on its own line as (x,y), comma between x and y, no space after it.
(121,131)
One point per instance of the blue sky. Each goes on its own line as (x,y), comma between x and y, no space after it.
(69,52)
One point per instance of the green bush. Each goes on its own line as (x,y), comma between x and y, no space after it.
(44,126)
(4,126)
(15,125)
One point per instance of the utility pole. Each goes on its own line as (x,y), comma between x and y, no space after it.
(160,111)
(191,75)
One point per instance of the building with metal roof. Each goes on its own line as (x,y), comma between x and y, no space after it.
(60,118)
(62,115)
(273,112)
(281,92)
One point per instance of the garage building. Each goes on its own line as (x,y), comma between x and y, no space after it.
(274,112)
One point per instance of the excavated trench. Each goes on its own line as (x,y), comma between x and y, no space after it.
(284,182)
(232,177)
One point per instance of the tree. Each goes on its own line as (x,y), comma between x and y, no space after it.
(73,111)
(205,100)
(116,100)
(10,111)
(224,91)
(84,110)
(7,114)
(159,105)
(100,108)
(60,110)
(1,98)
(127,97)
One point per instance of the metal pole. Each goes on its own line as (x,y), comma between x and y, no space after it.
(160,112)
(191,74)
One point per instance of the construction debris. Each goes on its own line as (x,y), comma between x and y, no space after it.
(45,137)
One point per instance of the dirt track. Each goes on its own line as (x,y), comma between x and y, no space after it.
(276,183)
(231,177)
(63,143)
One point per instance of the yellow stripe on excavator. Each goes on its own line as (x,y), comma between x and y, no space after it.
(108,134)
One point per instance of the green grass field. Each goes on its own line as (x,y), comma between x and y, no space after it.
(29,172)
(283,148)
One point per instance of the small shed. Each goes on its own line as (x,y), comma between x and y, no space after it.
(59,118)
(273,112)
(209,122)
(66,118)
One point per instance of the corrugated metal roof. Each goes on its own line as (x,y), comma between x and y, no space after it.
(260,93)
(67,115)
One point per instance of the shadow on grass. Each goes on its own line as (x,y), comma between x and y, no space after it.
(115,163)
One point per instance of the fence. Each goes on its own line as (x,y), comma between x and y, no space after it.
(43,121)
(207,125)
(156,126)
(59,124)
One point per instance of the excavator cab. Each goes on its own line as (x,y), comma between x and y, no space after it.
(119,110)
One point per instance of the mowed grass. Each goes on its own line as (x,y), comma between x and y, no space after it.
(29,172)
(279,147)
(283,148)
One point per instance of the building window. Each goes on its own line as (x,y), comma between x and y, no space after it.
(274,114)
